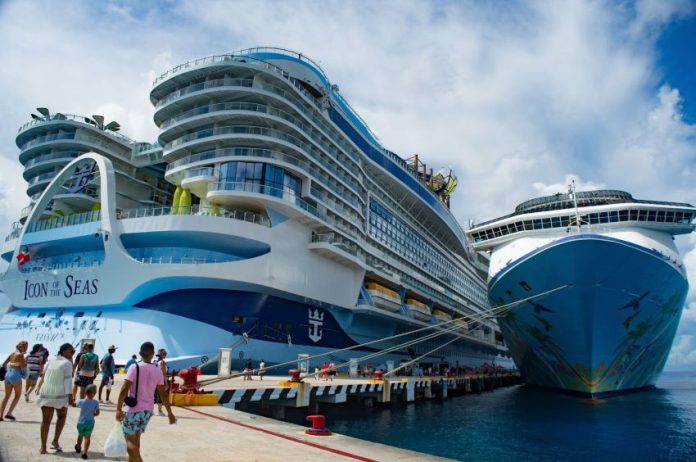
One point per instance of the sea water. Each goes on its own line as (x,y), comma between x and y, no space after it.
(525,423)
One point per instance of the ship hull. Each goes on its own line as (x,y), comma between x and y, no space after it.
(609,323)
(193,324)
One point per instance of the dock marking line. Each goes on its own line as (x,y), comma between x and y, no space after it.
(287,437)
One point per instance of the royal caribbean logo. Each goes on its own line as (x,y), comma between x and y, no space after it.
(82,176)
(316,322)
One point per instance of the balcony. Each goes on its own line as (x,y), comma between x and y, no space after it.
(197,180)
(335,248)
(236,192)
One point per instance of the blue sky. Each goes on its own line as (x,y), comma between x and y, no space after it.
(518,97)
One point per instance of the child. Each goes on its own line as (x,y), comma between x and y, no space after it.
(89,408)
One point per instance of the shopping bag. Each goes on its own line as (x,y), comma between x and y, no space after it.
(115,445)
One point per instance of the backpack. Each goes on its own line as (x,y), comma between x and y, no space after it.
(89,364)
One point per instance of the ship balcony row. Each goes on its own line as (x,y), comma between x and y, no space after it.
(51,160)
(59,120)
(221,111)
(72,141)
(248,132)
(200,93)
(338,182)
(334,247)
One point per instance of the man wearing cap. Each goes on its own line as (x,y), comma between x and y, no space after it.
(108,367)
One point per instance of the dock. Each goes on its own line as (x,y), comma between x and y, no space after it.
(226,433)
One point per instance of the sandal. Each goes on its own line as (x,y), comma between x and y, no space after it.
(56,448)
(10,417)
(78,449)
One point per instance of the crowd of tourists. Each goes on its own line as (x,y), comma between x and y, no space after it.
(67,380)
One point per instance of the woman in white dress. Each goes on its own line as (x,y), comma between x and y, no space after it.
(55,394)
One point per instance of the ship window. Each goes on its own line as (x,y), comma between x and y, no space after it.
(537,224)
(669,217)
(603,217)
(661,216)
(99,314)
(79,314)
(613,216)
(623,215)
(556,222)
(41,315)
(634,215)
(525,286)
(642,215)
(651,215)
(528,225)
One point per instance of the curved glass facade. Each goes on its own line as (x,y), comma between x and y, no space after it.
(262,174)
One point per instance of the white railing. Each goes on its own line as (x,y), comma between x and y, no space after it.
(242,215)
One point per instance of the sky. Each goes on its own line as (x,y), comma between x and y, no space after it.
(517,97)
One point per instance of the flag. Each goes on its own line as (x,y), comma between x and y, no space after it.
(23,257)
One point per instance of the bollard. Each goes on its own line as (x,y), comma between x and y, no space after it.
(294,375)
(318,426)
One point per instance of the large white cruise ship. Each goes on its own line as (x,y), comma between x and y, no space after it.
(612,287)
(267,218)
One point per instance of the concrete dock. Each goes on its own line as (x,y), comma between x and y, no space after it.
(211,433)
(224,433)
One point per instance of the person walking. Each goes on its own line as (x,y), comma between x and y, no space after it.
(89,408)
(89,368)
(133,360)
(324,372)
(248,369)
(332,371)
(107,368)
(55,394)
(35,362)
(142,379)
(262,369)
(76,370)
(162,363)
(16,368)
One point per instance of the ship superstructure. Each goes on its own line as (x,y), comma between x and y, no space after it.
(290,229)
(597,286)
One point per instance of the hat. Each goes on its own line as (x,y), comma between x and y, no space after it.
(112,347)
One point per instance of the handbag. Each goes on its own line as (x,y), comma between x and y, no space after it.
(132,401)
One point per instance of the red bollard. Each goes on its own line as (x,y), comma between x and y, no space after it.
(318,426)
(294,375)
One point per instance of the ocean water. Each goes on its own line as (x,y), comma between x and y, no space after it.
(524,423)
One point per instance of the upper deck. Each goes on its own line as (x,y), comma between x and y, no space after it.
(602,209)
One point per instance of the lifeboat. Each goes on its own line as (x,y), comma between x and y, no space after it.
(463,325)
(418,309)
(441,315)
(384,298)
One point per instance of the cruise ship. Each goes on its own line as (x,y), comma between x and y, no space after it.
(267,218)
(594,287)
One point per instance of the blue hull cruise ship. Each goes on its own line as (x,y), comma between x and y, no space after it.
(267,217)
(611,281)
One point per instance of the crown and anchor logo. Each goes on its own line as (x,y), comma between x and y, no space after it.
(316,321)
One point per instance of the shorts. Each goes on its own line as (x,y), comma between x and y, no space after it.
(33,376)
(135,422)
(83,381)
(13,376)
(85,429)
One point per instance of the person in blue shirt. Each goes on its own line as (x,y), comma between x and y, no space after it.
(131,362)
(89,408)
(107,370)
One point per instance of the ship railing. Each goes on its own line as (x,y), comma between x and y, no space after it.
(331,238)
(75,118)
(56,155)
(263,131)
(319,121)
(171,260)
(35,266)
(242,215)
(62,221)
(286,194)
(238,57)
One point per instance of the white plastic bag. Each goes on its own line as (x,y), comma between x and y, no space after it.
(115,445)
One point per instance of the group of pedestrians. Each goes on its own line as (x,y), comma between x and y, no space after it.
(144,385)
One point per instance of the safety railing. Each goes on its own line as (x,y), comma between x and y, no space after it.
(286,194)
(242,215)
(74,118)
(53,156)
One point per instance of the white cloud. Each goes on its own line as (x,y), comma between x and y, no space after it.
(543,189)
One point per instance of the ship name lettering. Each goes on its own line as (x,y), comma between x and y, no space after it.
(35,289)
(80,286)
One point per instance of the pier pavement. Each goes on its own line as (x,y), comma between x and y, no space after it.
(210,433)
